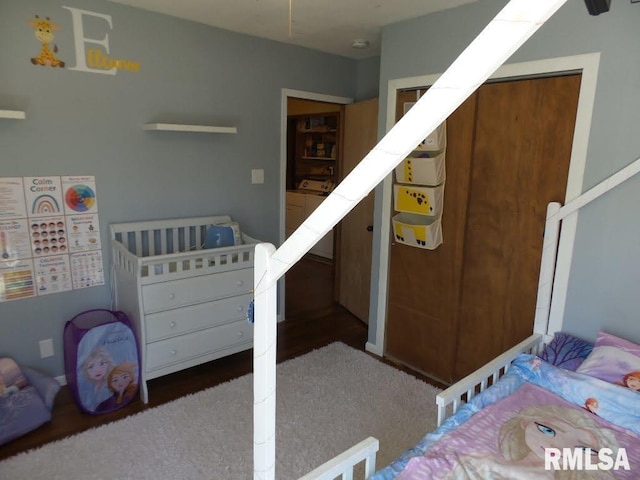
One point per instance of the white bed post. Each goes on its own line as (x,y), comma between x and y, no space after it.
(547,270)
(543,323)
(264,365)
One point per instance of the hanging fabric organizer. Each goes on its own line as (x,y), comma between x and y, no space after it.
(418,194)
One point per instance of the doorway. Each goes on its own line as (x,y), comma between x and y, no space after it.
(314,271)
(325,140)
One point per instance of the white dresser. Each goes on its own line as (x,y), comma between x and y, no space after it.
(188,307)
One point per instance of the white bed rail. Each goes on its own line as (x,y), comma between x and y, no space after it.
(342,466)
(456,395)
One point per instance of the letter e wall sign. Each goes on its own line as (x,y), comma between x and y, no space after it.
(92,55)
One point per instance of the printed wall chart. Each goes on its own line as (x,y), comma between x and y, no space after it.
(49,236)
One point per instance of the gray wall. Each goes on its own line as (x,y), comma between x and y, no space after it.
(368,75)
(605,271)
(91,124)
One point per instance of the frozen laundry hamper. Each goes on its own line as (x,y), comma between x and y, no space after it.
(101,360)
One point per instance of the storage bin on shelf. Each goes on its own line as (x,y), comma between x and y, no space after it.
(418,199)
(417,230)
(437,140)
(422,168)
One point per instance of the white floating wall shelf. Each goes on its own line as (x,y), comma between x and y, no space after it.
(177,127)
(14,114)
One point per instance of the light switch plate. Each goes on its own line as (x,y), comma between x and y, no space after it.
(257,175)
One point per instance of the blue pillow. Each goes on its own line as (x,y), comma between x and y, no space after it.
(566,351)
(219,236)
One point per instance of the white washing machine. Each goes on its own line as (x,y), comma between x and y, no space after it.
(301,203)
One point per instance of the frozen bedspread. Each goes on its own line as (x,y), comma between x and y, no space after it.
(586,428)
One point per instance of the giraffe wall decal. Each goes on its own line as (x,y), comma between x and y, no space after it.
(44,33)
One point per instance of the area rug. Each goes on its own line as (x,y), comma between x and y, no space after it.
(327,401)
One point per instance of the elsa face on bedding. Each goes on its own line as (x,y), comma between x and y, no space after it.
(524,437)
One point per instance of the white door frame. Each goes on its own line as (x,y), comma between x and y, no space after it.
(285,95)
(586,64)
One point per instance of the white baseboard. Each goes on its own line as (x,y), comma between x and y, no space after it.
(373,348)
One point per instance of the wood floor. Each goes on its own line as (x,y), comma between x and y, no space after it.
(313,320)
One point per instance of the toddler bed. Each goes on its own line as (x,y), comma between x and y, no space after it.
(186,285)
(542,419)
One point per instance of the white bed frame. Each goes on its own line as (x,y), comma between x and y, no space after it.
(498,41)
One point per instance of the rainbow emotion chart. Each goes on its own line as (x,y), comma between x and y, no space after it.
(80,198)
(79,195)
(49,236)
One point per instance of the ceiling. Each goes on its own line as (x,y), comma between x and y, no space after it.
(327,25)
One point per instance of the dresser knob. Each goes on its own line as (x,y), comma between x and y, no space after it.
(174,352)
(172,296)
(240,282)
(172,324)
(240,308)
(240,333)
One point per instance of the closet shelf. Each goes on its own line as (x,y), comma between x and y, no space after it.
(14,114)
(176,127)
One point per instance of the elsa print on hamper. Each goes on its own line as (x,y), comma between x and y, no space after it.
(96,368)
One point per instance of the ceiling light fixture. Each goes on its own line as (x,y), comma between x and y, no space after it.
(360,43)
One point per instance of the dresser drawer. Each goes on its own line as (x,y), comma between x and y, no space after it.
(188,291)
(195,317)
(178,349)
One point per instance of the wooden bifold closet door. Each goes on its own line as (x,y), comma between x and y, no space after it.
(452,309)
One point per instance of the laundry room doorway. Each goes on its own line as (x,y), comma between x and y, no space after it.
(323,143)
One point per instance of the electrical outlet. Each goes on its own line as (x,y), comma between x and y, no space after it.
(46,348)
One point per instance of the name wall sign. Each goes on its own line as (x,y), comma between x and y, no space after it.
(92,55)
